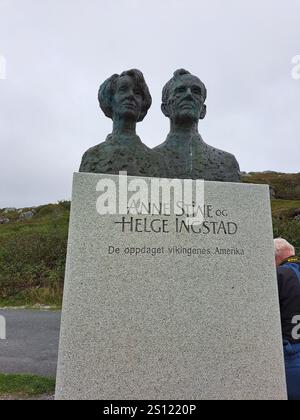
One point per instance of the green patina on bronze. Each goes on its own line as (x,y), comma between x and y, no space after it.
(125,99)
(184,154)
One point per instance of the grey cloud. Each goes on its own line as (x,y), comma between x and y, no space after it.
(59,51)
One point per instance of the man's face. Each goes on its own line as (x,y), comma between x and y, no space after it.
(128,99)
(186,101)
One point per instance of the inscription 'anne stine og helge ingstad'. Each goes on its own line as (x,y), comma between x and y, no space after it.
(139,214)
(132,223)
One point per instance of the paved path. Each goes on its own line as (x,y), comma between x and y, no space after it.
(32,342)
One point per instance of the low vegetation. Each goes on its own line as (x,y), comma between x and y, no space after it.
(33,251)
(284,223)
(32,257)
(285,186)
(25,385)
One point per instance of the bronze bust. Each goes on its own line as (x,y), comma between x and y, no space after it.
(124,98)
(184,152)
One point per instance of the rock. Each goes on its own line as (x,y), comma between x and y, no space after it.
(4,220)
(27,215)
(245,174)
(297,218)
(272,193)
(9,210)
(297,212)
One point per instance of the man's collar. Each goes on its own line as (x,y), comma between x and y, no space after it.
(293,259)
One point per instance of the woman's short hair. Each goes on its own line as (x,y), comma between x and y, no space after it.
(108,89)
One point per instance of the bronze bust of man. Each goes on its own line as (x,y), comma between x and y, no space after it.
(124,98)
(184,152)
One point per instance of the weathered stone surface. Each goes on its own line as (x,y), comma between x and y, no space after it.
(27,215)
(272,193)
(9,210)
(4,220)
(297,212)
(165,325)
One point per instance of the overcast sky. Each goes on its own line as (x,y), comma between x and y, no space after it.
(59,51)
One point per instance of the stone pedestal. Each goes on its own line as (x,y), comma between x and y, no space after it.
(171,314)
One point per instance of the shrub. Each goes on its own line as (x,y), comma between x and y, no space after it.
(289,230)
(66,205)
(32,260)
(286,186)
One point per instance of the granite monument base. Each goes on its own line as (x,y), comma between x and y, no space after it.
(155,310)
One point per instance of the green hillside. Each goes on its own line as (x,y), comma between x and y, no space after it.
(32,256)
(285,186)
(33,242)
(285,191)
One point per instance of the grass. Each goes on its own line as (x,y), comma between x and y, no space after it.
(35,298)
(284,225)
(287,193)
(286,186)
(32,257)
(25,385)
(284,208)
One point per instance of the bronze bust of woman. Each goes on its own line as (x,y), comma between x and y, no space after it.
(126,99)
